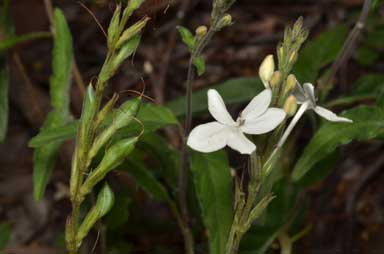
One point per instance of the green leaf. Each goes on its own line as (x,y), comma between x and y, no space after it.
(368,123)
(237,90)
(152,116)
(320,52)
(199,63)
(13,41)
(61,65)
(5,235)
(44,157)
(4,107)
(145,178)
(187,37)
(213,183)
(58,134)
(104,203)
(369,84)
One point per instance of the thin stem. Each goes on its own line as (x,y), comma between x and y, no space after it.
(349,43)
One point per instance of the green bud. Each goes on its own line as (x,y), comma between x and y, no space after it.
(113,28)
(113,157)
(201,31)
(123,118)
(130,32)
(104,203)
(290,105)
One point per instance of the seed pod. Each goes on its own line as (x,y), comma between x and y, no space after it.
(113,157)
(290,105)
(266,70)
(113,28)
(130,32)
(83,138)
(125,51)
(104,203)
(103,113)
(124,115)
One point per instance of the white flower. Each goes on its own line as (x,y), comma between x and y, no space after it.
(306,94)
(256,118)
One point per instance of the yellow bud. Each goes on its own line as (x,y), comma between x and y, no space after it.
(266,70)
(226,20)
(290,105)
(275,79)
(201,31)
(291,83)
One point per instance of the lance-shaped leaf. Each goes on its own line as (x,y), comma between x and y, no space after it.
(104,203)
(187,37)
(368,123)
(113,157)
(60,80)
(213,184)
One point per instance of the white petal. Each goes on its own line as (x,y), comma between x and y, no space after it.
(299,93)
(209,137)
(310,92)
(217,108)
(265,123)
(239,142)
(257,106)
(330,116)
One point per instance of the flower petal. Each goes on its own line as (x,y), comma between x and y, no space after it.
(239,142)
(265,123)
(217,108)
(330,116)
(257,106)
(310,92)
(209,137)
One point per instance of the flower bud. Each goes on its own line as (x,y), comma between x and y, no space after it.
(290,84)
(275,79)
(201,31)
(226,20)
(266,70)
(290,105)
(292,57)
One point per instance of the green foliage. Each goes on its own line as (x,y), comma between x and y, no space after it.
(367,124)
(319,52)
(4,108)
(5,234)
(13,41)
(200,65)
(213,183)
(233,91)
(45,156)
(152,116)
(187,37)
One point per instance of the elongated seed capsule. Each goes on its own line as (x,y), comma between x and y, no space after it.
(131,31)
(113,157)
(124,116)
(83,139)
(113,28)
(104,112)
(104,203)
